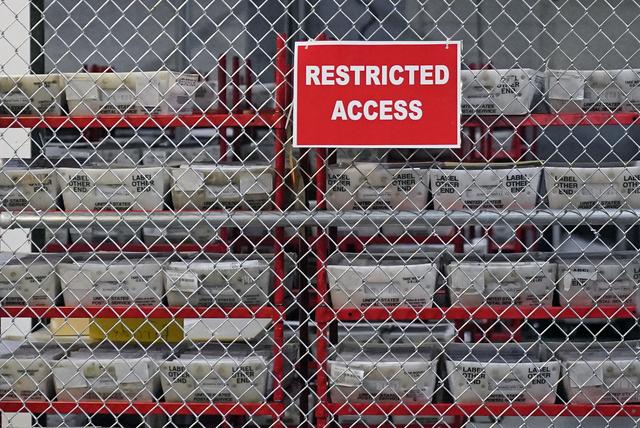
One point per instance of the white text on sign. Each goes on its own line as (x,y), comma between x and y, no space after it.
(373,75)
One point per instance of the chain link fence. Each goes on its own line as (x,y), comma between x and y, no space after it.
(187,267)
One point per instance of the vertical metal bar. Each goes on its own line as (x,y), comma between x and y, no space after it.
(235,106)
(37,66)
(248,96)
(235,89)
(248,79)
(183,50)
(322,244)
(484,142)
(222,103)
(303,319)
(279,154)
(458,241)
(322,284)
(518,150)
(222,131)
(518,146)
(36,10)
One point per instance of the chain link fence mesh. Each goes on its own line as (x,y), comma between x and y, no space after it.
(187,267)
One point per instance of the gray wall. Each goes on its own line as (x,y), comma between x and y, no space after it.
(146,34)
(582,34)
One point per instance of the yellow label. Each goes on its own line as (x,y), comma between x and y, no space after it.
(69,326)
(142,331)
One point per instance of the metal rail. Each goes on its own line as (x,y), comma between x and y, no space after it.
(541,218)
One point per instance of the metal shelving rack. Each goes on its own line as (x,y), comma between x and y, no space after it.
(323,314)
(113,407)
(463,317)
(323,222)
(270,119)
(275,120)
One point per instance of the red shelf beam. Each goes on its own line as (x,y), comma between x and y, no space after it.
(481,409)
(276,120)
(81,247)
(137,408)
(552,119)
(326,315)
(254,119)
(440,424)
(479,313)
(275,409)
(274,313)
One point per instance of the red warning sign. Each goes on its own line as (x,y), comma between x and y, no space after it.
(377,94)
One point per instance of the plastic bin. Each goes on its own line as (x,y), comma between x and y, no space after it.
(602,91)
(584,186)
(379,373)
(232,373)
(492,186)
(140,188)
(28,279)
(31,94)
(498,92)
(89,94)
(111,279)
(365,280)
(518,279)
(108,152)
(371,186)
(629,83)
(501,373)
(109,373)
(598,279)
(26,370)
(27,184)
(199,234)
(225,282)
(605,373)
(566,90)
(229,186)
(174,153)
(166,92)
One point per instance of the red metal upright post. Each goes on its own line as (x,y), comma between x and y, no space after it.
(248,96)
(322,284)
(235,105)
(281,71)
(322,249)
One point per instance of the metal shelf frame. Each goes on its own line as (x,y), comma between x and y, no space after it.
(479,313)
(483,409)
(326,411)
(224,119)
(553,119)
(115,407)
(155,312)
(322,220)
(319,218)
(270,119)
